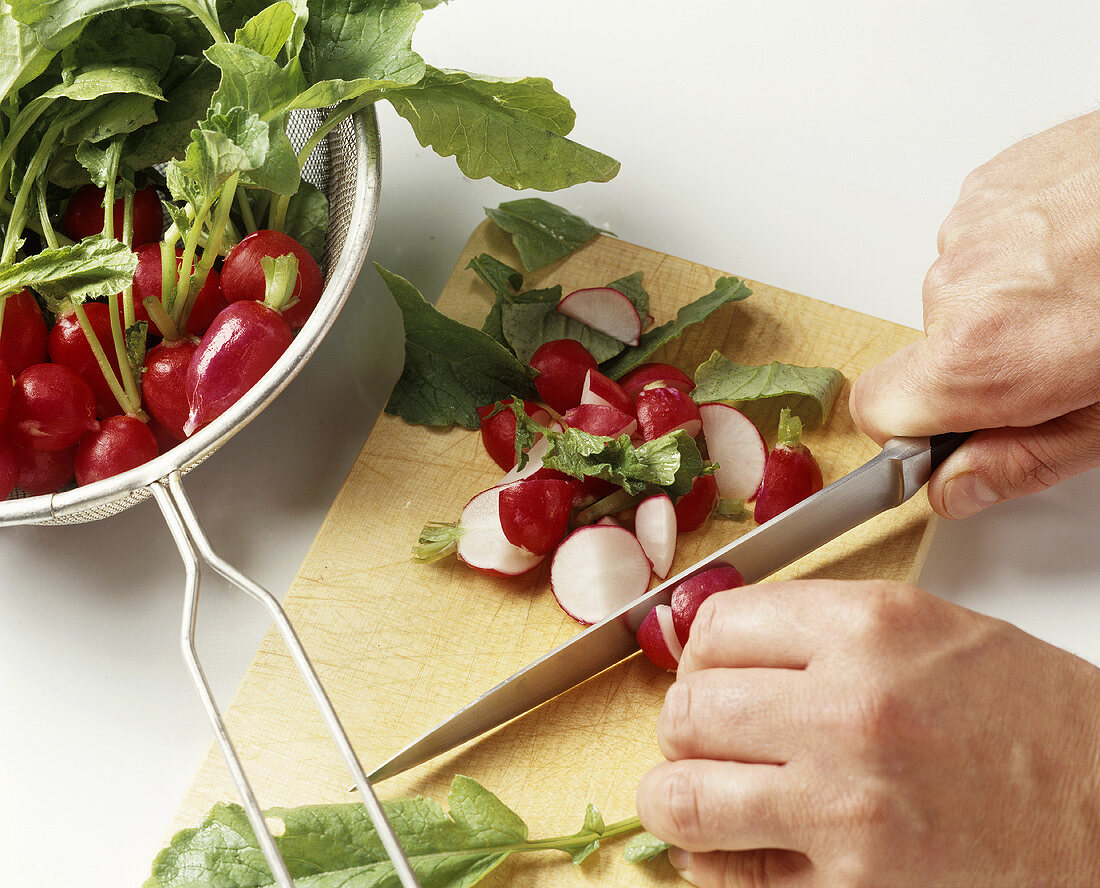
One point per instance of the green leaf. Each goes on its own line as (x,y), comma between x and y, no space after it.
(269,30)
(505,282)
(542,232)
(528,325)
(476,809)
(56,22)
(226,143)
(450,369)
(761,392)
(183,104)
(631,287)
(512,131)
(95,266)
(726,289)
(644,846)
(22,57)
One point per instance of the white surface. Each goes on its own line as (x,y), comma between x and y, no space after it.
(815,146)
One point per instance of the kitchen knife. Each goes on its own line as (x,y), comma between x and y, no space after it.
(886,481)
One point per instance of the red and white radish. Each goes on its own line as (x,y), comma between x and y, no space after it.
(51,408)
(498,431)
(481,542)
(791,473)
(7,384)
(534,512)
(735,444)
(606,310)
(665,410)
(562,365)
(84,215)
(655,528)
(657,638)
(690,593)
(69,346)
(596,570)
(9,466)
(600,419)
(599,389)
(119,444)
(24,335)
(696,506)
(242,275)
(163,387)
(655,376)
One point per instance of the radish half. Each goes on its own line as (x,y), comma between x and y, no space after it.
(655,528)
(599,389)
(734,442)
(657,638)
(606,310)
(596,570)
(482,543)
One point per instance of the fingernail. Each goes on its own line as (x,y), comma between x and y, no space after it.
(682,861)
(966,494)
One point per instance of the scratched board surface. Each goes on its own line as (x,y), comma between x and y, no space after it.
(400,646)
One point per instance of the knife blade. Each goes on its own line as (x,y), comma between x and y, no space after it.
(882,483)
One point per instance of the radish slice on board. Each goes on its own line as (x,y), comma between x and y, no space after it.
(482,543)
(600,419)
(606,310)
(562,365)
(596,570)
(655,527)
(737,446)
(655,375)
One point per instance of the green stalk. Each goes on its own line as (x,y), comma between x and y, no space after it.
(128,313)
(37,227)
(114,154)
(212,248)
(190,244)
(19,208)
(211,24)
(168,329)
(609,505)
(246,211)
(101,359)
(46,229)
(19,128)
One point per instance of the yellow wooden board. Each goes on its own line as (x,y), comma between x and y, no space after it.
(400,646)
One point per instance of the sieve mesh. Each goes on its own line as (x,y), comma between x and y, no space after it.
(345,168)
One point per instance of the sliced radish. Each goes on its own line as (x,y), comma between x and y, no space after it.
(562,365)
(596,570)
(692,592)
(498,432)
(735,444)
(598,389)
(664,410)
(606,310)
(656,375)
(534,513)
(657,638)
(655,528)
(695,507)
(600,419)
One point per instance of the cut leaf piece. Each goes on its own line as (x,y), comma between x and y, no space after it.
(735,444)
(597,570)
(605,310)
(542,232)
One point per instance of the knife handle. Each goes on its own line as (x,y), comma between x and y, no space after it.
(942,446)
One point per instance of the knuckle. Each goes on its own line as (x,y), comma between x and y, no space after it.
(675,724)
(1030,466)
(682,805)
(706,630)
(886,609)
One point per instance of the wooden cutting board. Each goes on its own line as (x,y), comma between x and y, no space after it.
(400,646)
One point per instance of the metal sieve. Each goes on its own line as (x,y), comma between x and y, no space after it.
(345,166)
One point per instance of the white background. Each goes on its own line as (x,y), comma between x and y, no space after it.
(815,146)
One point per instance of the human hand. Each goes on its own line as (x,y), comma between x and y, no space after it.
(1012,313)
(826,733)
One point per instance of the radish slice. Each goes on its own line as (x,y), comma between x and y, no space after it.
(605,310)
(596,570)
(600,419)
(737,446)
(483,544)
(655,527)
(668,631)
(657,638)
(598,389)
(534,457)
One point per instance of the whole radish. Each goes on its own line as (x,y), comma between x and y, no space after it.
(791,473)
(664,409)
(655,375)
(562,365)
(148,283)
(23,334)
(242,275)
(163,388)
(691,592)
(52,407)
(9,466)
(7,384)
(42,471)
(69,346)
(241,344)
(119,444)
(83,215)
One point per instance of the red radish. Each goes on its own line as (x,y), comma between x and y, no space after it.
(692,592)
(52,407)
(655,528)
(84,215)
(657,638)
(9,466)
(695,507)
(665,410)
(162,384)
(119,444)
(791,474)
(23,334)
(534,513)
(498,432)
(69,346)
(598,389)
(238,348)
(562,365)
(7,383)
(596,570)
(42,471)
(242,275)
(606,310)
(148,282)
(600,419)
(653,376)
(735,444)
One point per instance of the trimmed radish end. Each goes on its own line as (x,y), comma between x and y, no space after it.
(657,638)
(597,570)
(599,389)
(689,594)
(534,513)
(791,474)
(736,445)
(655,376)
(655,527)
(663,410)
(562,365)
(605,310)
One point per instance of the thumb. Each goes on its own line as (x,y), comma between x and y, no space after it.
(1000,464)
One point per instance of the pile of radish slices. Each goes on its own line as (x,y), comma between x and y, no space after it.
(605,546)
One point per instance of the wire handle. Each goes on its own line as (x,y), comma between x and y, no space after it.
(194,546)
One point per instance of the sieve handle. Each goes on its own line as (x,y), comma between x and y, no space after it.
(195,547)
